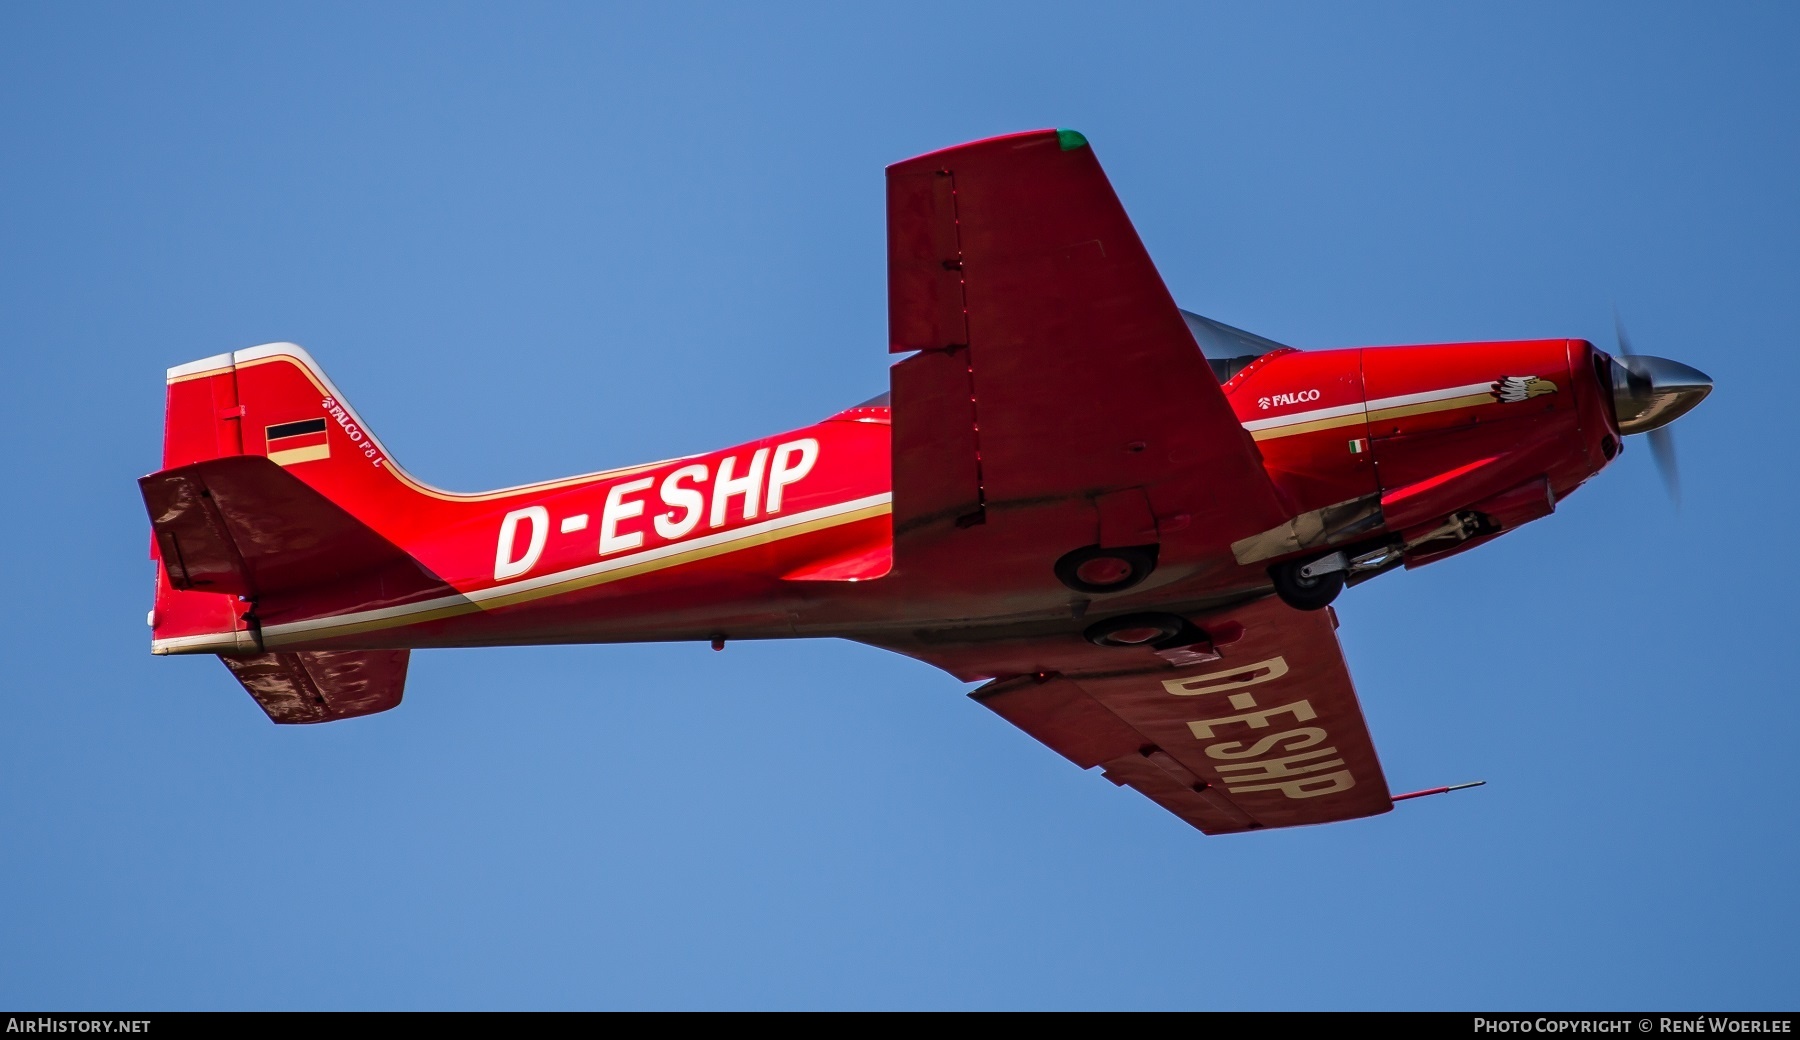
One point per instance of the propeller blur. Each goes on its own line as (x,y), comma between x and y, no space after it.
(1649,393)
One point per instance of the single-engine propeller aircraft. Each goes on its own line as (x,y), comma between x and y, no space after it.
(1128,520)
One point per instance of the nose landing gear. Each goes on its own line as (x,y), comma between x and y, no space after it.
(1310,584)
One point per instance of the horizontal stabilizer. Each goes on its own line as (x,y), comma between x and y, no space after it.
(322,685)
(244,526)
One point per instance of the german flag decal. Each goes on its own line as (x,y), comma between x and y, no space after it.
(294,442)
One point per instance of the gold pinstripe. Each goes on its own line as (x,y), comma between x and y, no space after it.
(1378,415)
(1307,427)
(1400,412)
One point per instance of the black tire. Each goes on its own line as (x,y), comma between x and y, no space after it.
(1115,569)
(1153,630)
(1314,593)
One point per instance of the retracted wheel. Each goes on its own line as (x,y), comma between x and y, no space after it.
(1129,630)
(1304,591)
(1113,569)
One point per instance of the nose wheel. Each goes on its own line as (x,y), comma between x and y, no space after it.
(1309,584)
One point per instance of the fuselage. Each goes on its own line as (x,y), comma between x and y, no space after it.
(1373,450)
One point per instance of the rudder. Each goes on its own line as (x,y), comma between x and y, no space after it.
(274,400)
(319,520)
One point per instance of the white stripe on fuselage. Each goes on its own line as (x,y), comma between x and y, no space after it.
(1369,407)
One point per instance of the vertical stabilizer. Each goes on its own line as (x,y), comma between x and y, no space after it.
(271,401)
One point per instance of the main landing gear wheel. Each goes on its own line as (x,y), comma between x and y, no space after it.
(1115,569)
(1152,629)
(1302,592)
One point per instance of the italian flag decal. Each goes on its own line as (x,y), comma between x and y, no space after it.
(294,442)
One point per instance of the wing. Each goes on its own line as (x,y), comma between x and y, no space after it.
(1058,399)
(1267,735)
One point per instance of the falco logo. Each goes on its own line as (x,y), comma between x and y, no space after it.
(1279,400)
(1512,389)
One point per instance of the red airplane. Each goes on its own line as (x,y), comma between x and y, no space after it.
(1128,520)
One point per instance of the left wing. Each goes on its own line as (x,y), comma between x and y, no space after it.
(1267,734)
(1058,398)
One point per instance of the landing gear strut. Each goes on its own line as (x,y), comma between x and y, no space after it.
(1310,584)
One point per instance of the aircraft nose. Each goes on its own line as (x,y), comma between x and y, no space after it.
(1652,392)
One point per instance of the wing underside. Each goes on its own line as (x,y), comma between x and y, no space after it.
(1268,733)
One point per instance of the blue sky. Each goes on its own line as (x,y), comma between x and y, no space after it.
(529,240)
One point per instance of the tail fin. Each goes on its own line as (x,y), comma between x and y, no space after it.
(275,401)
(275,500)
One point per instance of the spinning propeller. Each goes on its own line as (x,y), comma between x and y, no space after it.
(1649,393)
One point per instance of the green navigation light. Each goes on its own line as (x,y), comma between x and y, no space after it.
(1070,140)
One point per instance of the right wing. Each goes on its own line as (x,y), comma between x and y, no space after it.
(1269,734)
